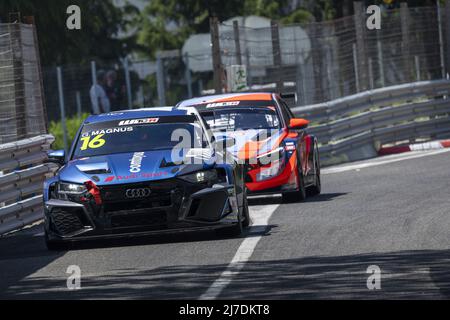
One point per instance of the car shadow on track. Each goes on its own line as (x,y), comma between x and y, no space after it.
(421,274)
(325,197)
(25,253)
(279,200)
(22,254)
(185,237)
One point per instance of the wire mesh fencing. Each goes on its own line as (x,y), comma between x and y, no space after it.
(332,59)
(319,61)
(22,112)
(127,83)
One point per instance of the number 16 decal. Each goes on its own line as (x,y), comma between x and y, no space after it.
(94,143)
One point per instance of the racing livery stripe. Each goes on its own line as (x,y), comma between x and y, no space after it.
(243,97)
(251,148)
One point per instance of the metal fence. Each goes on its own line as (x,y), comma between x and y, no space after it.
(22,171)
(130,84)
(320,61)
(22,113)
(353,127)
(327,60)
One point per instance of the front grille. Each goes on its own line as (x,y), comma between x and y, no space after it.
(115,199)
(67,221)
(139,220)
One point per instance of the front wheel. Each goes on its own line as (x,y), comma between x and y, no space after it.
(246,214)
(317,187)
(300,194)
(55,245)
(238,228)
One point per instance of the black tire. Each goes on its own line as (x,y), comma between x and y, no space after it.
(235,230)
(246,214)
(317,187)
(298,195)
(54,245)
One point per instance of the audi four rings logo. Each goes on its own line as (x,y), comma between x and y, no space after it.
(138,193)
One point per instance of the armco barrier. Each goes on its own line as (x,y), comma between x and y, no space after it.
(389,115)
(22,171)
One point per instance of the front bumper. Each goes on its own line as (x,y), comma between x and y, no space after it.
(285,181)
(173,206)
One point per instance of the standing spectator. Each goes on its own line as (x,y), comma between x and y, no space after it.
(99,99)
(114,91)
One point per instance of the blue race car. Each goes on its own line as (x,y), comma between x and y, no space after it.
(143,171)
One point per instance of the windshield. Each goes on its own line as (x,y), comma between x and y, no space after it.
(136,135)
(237,119)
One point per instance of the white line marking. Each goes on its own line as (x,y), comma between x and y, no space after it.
(260,216)
(408,156)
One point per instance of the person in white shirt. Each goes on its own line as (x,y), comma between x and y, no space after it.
(99,99)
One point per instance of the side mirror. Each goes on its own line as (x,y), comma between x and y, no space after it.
(297,123)
(57,156)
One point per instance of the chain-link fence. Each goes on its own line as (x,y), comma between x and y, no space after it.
(22,113)
(128,84)
(320,61)
(327,60)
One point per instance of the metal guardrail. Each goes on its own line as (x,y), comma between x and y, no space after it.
(387,115)
(381,116)
(22,171)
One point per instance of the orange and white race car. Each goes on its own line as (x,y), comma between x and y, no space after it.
(279,155)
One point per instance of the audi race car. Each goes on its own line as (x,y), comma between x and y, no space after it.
(128,174)
(278,153)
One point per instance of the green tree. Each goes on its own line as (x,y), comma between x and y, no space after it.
(166,24)
(101,22)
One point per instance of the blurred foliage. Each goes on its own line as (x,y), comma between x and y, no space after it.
(101,21)
(162,25)
(166,24)
(72,124)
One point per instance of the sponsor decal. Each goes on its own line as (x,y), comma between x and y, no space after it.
(136,162)
(94,143)
(143,175)
(290,146)
(222,104)
(109,179)
(106,131)
(154,174)
(138,121)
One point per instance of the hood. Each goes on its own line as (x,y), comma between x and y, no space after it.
(251,143)
(135,166)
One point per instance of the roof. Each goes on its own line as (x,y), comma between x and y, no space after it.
(137,113)
(250,96)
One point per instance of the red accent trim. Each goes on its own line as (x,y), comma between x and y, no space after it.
(94,191)
(251,148)
(393,150)
(245,97)
(109,179)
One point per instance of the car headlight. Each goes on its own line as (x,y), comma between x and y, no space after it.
(200,177)
(271,171)
(271,164)
(271,157)
(70,188)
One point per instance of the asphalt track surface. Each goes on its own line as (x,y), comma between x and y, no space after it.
(392,212)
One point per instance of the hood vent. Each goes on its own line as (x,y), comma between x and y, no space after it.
(94,168)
